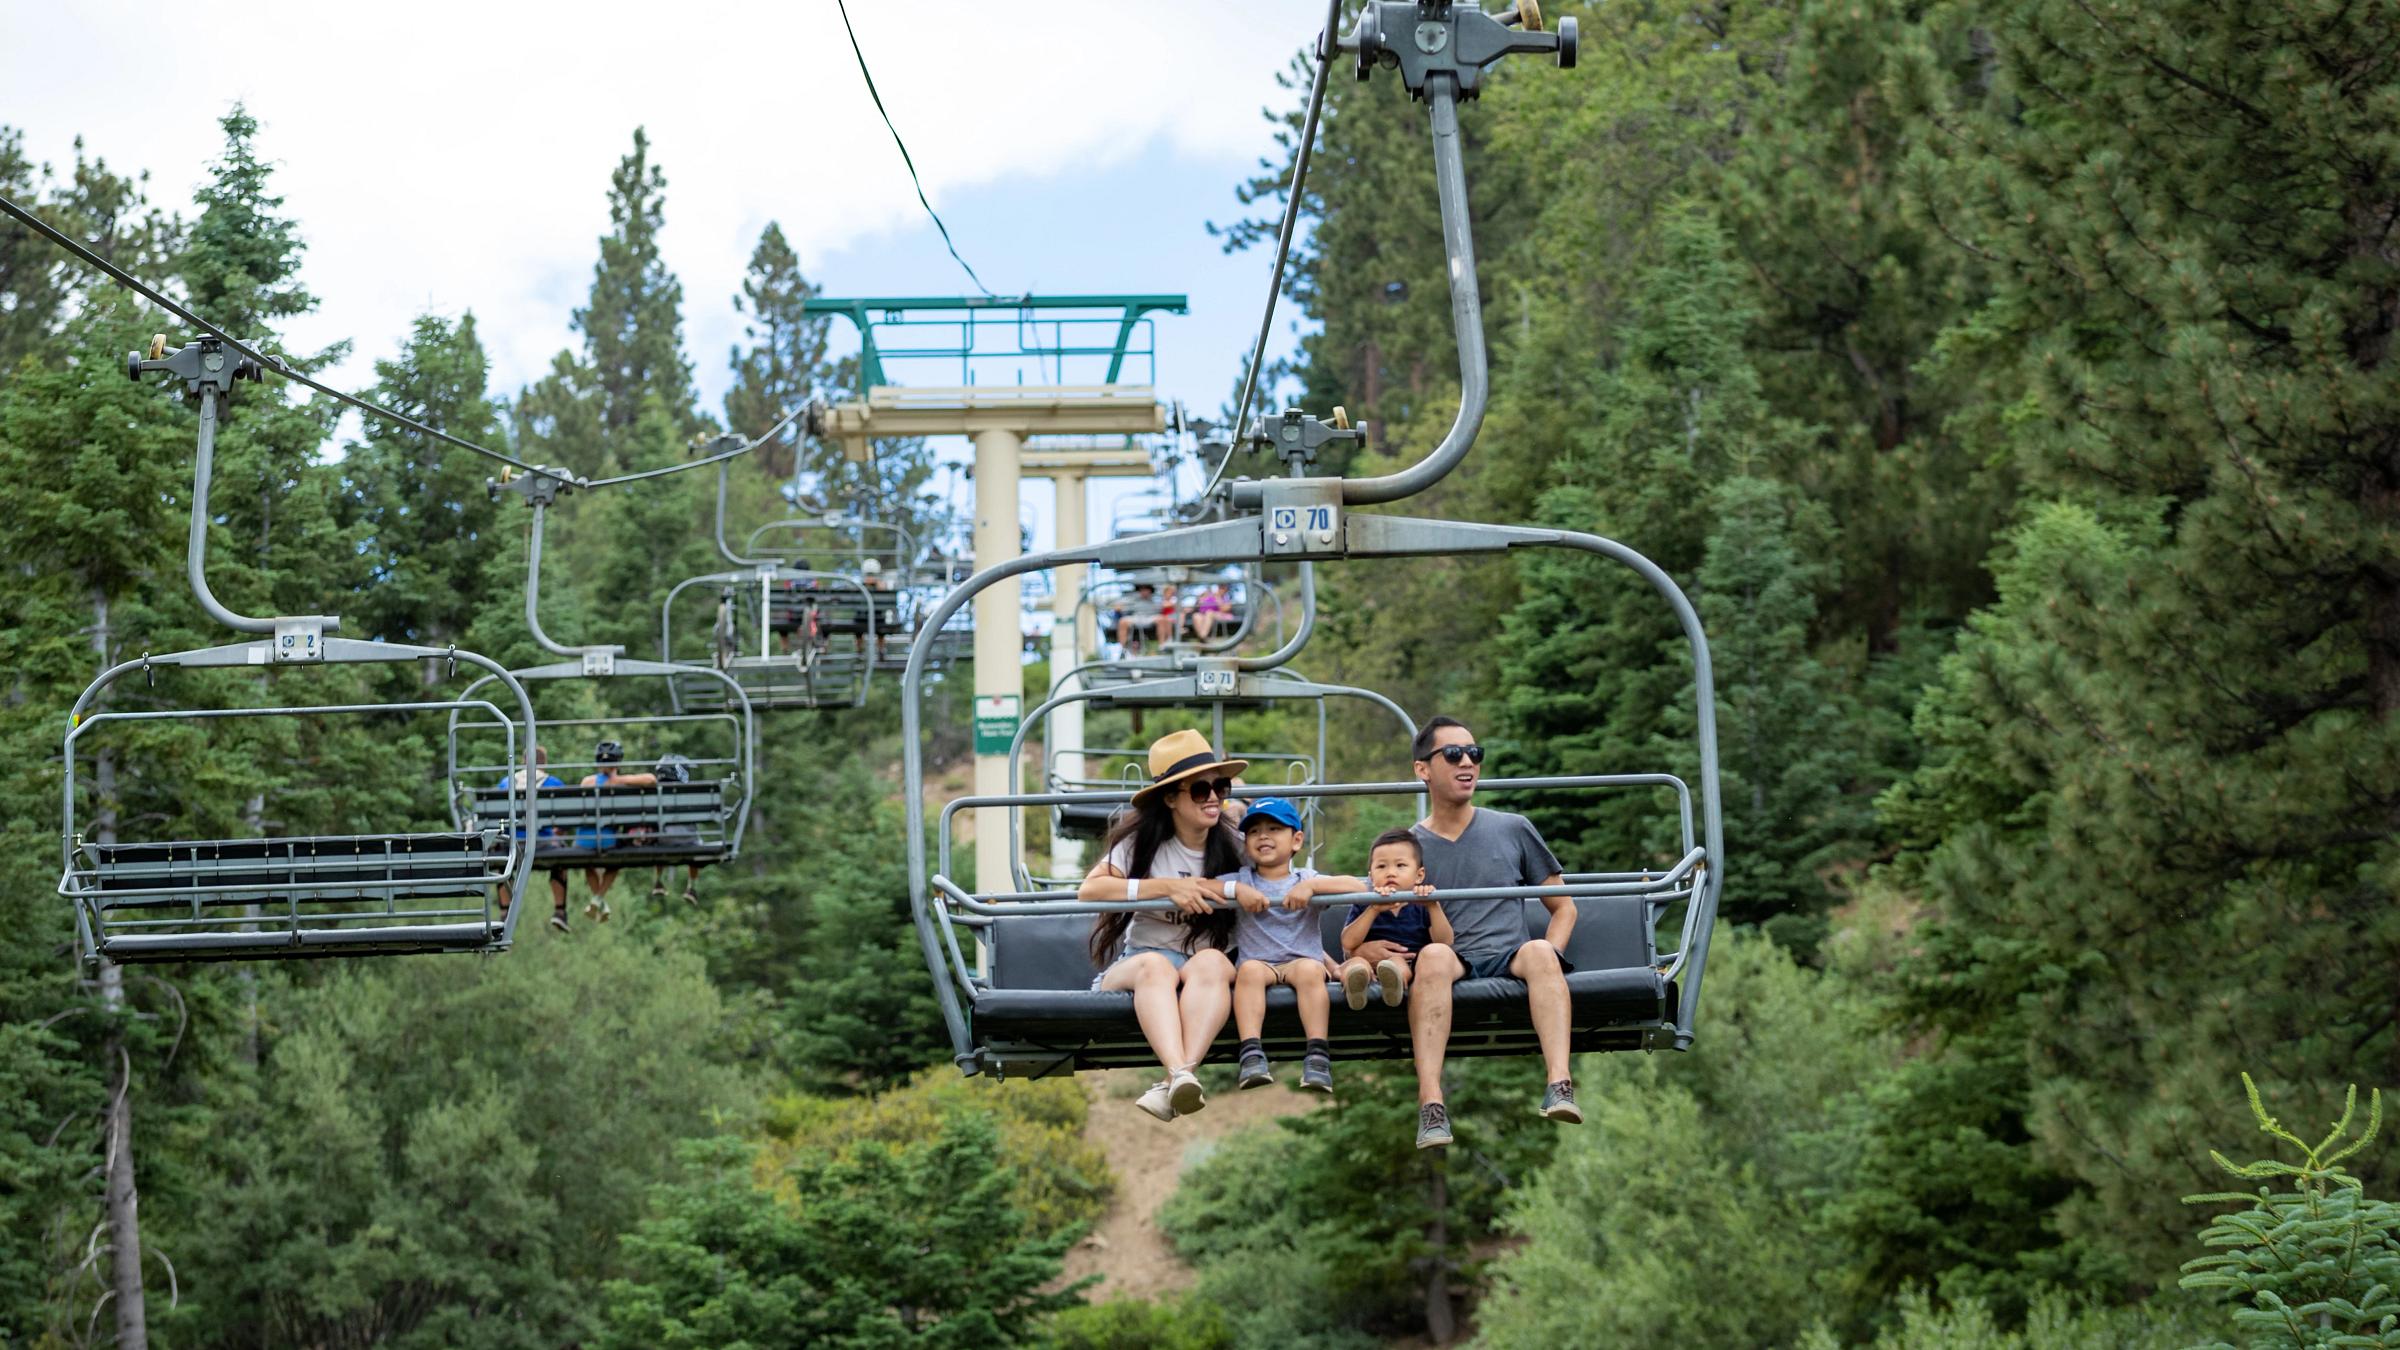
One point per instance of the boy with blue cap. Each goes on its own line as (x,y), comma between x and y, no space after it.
(1275,938)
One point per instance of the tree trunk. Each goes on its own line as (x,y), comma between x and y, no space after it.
(122,1200)
(254,815)
(1441,1320)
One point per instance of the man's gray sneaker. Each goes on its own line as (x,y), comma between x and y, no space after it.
(1433,1126)
(1255,1073)
(1558,1103)
(1316,1074)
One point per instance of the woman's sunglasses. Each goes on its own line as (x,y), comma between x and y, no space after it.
(1207,789)
(1472,754)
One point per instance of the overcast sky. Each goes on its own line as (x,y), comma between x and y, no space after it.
(453,157)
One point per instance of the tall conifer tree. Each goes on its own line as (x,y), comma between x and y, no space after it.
(2169,758)
(633,324)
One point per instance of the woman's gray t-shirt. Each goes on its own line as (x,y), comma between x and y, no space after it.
(1153,928)
(1498,848)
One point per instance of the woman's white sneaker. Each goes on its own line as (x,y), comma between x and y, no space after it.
(1157,1101)
(1184,1095)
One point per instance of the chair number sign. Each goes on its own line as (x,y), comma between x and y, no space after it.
(299,642)
(1316,525)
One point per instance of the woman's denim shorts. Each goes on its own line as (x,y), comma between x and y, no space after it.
(1174,958)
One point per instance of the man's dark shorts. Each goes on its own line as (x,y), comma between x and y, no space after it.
(1493,965)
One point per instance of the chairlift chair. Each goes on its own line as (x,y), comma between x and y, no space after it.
(785,634)
(370,893)
(696,821)
(1025,1005)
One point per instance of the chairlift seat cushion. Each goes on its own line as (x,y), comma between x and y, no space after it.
(1041,1001)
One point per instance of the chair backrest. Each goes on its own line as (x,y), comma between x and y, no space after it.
(700,802)
(1610,933)
(299,863)
(1041,951)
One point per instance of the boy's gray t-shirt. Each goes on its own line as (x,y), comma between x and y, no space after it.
(1498,848)
(1280,934)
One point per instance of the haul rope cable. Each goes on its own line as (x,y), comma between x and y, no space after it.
(1283,246)
(904,158)
(283,368)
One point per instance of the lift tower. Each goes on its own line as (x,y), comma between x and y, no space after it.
(1079,352)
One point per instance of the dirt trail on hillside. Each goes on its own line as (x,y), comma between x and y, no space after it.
(1147,1158)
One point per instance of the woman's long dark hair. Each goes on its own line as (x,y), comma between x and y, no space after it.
(1150,825)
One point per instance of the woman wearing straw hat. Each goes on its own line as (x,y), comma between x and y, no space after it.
(1174,964)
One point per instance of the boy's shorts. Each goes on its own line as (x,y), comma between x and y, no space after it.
(1282,958)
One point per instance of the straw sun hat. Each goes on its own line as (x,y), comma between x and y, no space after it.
(1184,754)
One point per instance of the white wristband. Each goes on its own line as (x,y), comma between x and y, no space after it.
(1229,890)
(1133,889)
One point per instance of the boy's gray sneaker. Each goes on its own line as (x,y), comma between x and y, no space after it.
(1433,1126)
(1316,1074)
(1558,1103)
(1255,1073)
(1392,978)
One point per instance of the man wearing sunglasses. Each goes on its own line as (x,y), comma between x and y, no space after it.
(1465,848)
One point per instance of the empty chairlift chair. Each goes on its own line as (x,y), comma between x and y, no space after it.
(378,888)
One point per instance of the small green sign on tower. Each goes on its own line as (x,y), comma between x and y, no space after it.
(996,718)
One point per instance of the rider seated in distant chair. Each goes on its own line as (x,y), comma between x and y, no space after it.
(1146,606)
(877,585)
(790,614)
(1209,611)
(558,880)
(607,754)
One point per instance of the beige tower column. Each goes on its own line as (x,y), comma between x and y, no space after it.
(999,639)
(1067,647)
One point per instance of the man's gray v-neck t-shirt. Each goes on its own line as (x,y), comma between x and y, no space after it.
(1497,848)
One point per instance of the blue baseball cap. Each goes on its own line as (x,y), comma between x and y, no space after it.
(1275,809)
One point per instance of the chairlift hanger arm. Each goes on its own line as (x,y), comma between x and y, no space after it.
(539,492)
(209,371)
(1441,51)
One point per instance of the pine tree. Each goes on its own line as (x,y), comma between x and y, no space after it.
(2318,1263)
(1592,658)
(1853,290)
(784,364)
(633,324)
(429,528)
(2169,756)
(37,280)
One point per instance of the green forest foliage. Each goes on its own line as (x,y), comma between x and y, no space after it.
(2009,386)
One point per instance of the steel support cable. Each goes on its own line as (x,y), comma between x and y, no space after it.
(705,460)
(1283,245)
(265,361)
(368,406)
(904,156)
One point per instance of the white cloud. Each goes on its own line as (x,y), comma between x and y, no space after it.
(452,156)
